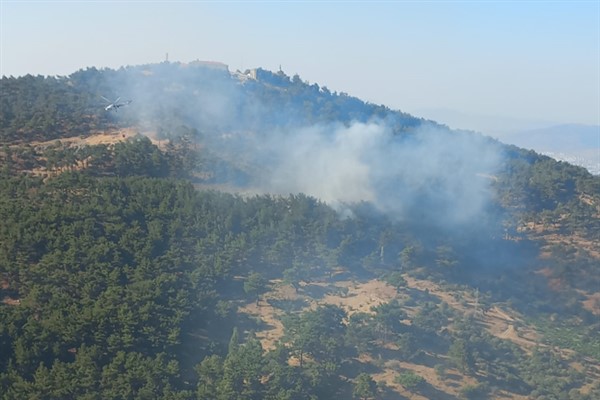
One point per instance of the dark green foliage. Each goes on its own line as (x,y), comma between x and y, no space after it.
(242,372)
(118,281)
(116,274)
(407,257)
(474,392)
(572,334)
(461,356)
(407,345)
(432,317)
(388,320)
(209,372)
(548,375)
(100,264)
(294,275)
(43,108)
(365,387)
(254,285)
(395,279)
(410,380)
(361,332)
(538,187)
(319,334)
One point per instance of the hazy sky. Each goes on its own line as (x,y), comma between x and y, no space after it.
(535,60)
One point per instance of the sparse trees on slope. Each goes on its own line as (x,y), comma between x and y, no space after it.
(318,333)
(365,387)
(254,285)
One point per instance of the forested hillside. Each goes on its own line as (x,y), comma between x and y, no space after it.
(132,269)
(166,96)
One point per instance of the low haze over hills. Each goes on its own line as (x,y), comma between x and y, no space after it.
(577,144)
(250,235)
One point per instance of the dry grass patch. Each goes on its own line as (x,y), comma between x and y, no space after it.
(350,296)
(498,322)
(10,301)
(360,297)
(270,315)
(592,302)
(110,136)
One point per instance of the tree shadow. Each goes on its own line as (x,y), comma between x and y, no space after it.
(420,357)
(428,391)
(339,275)
(351,368)
(387,393)
(250,323)
(452,376)
(432,342)
(288,305)
(431,392)
(426,359)
(317,291)
(415,296)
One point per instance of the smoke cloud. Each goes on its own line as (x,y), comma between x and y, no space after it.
(426,172)
(434,172)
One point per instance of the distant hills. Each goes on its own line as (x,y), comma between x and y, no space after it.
(567,137)
(577,144)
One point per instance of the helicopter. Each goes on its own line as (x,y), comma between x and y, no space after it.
(114,105)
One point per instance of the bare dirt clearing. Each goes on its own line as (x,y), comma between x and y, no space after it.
(551,234)
(110,136)
(269,315)
(106,137)
(592,302)
(352,297)
(10,301)
(360,297)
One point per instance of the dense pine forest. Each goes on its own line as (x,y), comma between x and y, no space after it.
(151,267)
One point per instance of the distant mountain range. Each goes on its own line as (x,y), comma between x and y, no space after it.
(577,144)
(574,143)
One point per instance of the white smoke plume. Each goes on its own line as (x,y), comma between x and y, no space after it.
(426,172)
(436,172)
